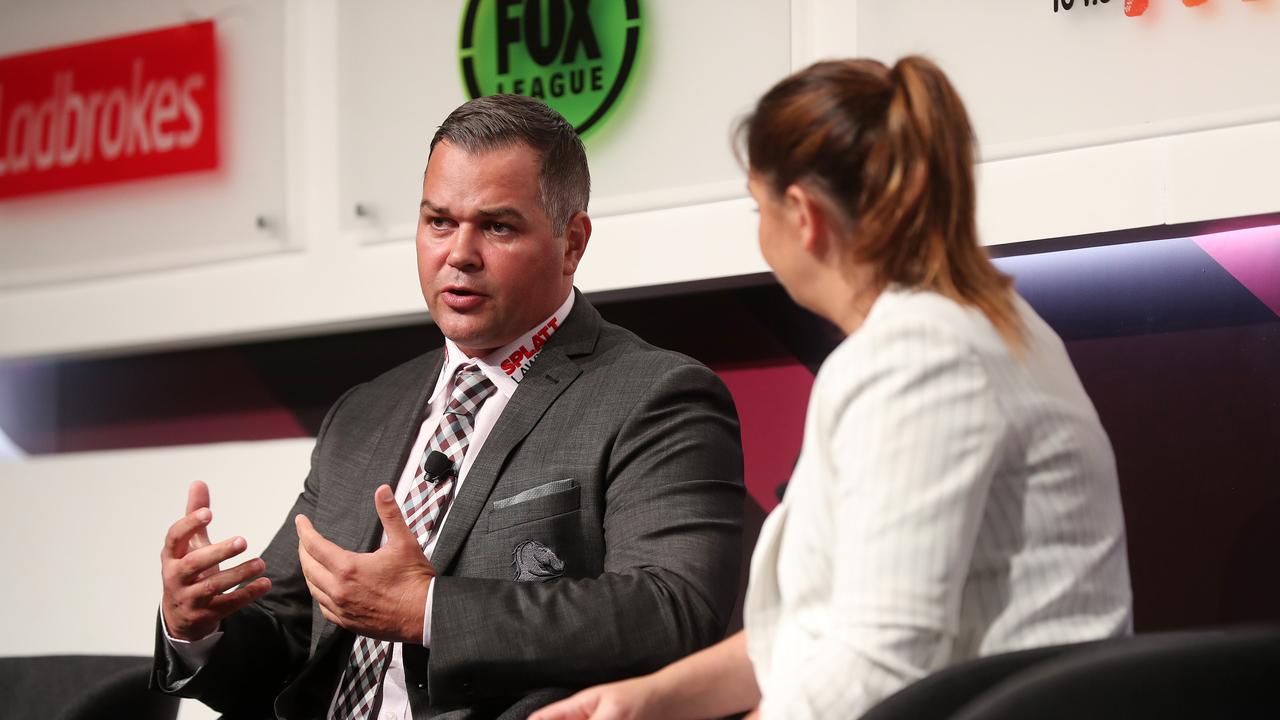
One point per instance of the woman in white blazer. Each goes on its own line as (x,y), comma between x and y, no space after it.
(956,495)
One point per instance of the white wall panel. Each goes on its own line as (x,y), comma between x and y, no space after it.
(87,580)
(159,223)
(683,244)
(703,65)
(1088,120)
(665,145)
(397,79)
(1224,173)
(1036,80)
(1089,190)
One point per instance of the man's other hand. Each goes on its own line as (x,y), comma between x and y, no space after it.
(382,594)
(195,598)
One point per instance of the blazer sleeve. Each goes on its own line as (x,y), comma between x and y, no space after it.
(266,643)
(672,528)
(909,435)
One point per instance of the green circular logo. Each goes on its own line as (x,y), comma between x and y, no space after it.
(574,55)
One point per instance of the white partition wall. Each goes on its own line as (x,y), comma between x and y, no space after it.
(1089,121)
(667,145)
(88,582)
(75,238)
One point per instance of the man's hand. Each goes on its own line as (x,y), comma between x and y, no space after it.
(382,594)
(194,583)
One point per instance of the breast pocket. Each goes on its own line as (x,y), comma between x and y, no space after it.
(537,503)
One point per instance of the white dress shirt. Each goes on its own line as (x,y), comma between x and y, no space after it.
(951,500)
(504,367)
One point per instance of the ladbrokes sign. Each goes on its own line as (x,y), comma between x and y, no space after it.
(119,109)
(576,55)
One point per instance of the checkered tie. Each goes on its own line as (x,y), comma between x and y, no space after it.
(425,504)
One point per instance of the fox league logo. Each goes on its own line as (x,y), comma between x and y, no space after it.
(574,55)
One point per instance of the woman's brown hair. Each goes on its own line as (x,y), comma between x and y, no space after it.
(892,149)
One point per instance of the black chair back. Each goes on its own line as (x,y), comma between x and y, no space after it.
(942,694)
(1229,673)
(81,687)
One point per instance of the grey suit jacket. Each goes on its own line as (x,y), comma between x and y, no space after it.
(623,459)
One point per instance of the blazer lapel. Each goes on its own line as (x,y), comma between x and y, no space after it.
(536,393)
(399,430)
(548,377)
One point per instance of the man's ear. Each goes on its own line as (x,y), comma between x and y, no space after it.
(809,214)
(576,235)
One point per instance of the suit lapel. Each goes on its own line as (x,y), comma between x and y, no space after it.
(527,405)
(548,377)
(399,430)
(387,464)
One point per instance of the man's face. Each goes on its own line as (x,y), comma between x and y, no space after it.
(489,265)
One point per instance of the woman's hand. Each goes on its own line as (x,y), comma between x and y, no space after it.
(713,682)
(634,699)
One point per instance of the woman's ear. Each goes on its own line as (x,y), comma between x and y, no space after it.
(809,216)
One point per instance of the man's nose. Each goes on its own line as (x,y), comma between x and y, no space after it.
(464,253)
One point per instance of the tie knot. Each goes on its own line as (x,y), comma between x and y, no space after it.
(470,389)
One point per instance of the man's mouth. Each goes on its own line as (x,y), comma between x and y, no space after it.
(461,299)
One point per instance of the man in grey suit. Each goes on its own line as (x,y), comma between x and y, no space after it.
(546,503)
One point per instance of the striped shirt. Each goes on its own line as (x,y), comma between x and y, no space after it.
(951,500)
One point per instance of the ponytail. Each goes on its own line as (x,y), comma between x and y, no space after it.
(893,149)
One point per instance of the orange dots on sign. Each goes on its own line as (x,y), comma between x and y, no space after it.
(1134,8)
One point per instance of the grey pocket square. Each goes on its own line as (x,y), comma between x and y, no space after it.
(534,561)
(543,490)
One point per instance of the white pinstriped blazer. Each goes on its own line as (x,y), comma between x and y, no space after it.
(951,500)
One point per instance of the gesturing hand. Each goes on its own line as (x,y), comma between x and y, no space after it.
(382,594)
(194,582)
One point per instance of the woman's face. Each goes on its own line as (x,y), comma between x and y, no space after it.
(779,236)
(800,239)
(772,224)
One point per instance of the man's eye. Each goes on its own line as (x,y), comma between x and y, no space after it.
(499,228)
(438,223)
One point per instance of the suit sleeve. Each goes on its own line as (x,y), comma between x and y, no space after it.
(673,535)
(264,644)
(909,436)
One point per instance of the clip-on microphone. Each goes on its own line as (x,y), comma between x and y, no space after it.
(436,466)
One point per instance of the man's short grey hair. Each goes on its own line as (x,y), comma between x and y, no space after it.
(495,122)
